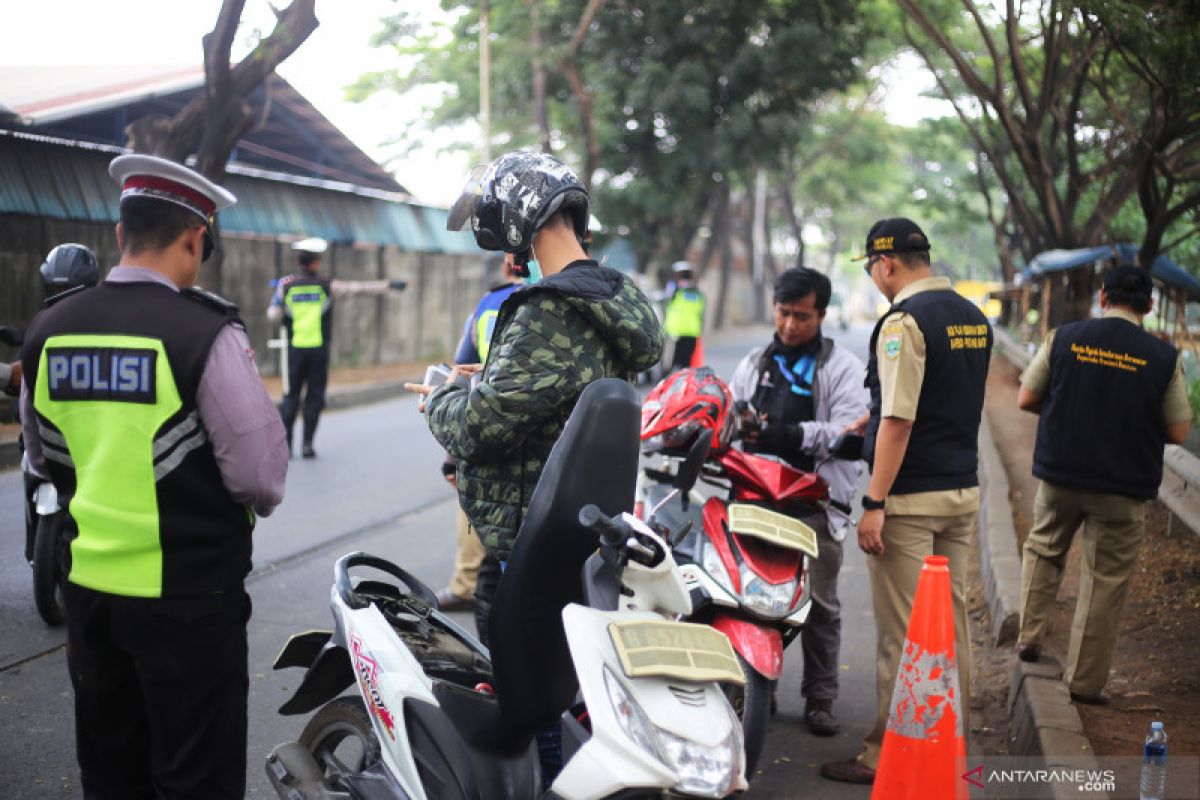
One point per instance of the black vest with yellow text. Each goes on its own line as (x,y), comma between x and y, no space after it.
(1101,426)
(113,372)
(943,449)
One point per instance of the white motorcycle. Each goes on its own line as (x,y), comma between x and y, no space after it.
(584,641)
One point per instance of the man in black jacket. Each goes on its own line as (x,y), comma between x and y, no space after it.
(1110,396)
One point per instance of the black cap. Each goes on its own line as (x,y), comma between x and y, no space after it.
(895,235)
(1129,279)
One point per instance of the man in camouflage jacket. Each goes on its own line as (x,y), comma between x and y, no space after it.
(580,324)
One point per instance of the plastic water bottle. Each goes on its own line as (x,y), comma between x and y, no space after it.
(1154,764)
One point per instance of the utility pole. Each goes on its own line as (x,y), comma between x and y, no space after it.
(758,236)
(485,94)
(539,75)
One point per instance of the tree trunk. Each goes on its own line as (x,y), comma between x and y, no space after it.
(213,121)
(539,75)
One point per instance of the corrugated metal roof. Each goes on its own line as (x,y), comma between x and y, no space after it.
(456,242)
(64,180)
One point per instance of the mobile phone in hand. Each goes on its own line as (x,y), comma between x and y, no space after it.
(436,375)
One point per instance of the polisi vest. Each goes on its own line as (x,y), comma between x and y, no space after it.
(114,372)
(1101,426)
(684,315)
(943,449)
(308,300)
(485,317)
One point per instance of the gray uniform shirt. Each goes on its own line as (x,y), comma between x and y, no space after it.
(242,423)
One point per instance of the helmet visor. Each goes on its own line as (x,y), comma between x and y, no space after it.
(464,207)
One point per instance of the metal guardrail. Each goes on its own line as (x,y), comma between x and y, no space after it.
(1180,489)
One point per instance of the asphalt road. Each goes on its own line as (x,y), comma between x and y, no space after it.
(376,487)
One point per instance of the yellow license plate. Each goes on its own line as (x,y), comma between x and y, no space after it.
(681,650)
(771,526)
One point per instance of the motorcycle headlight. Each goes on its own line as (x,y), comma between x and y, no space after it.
(772,600)
(631,717)
(710,562)
(703,771)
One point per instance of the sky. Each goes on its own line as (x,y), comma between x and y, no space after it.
(167,32)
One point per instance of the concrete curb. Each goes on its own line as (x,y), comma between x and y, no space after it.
(360,394)
(338,397)
(1000,560)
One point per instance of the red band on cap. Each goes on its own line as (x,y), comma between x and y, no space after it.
(154,183)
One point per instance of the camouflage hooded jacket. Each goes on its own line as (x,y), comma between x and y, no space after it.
(551,340)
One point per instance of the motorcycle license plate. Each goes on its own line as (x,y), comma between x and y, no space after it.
(680,650)
(771,526)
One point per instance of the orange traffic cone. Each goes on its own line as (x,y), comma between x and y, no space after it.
(698,354)
(924,754)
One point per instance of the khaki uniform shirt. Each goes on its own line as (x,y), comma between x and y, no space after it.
(900,355)
(1175,407)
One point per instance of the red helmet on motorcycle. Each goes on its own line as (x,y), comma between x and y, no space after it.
(686,403)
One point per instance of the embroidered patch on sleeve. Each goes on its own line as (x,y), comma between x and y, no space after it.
(891,345)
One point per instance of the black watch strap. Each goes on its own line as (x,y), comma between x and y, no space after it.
(871,504)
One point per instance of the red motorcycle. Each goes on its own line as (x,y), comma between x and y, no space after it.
(743,558)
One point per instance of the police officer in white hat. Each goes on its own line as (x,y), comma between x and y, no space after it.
(304,303)
(142,402)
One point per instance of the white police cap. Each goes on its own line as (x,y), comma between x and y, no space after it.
(681,266)
(160,179)
(314,244)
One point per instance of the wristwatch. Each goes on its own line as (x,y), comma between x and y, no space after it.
(871,504)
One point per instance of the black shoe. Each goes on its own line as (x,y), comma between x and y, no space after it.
(849,771)
(1096,699)
(308,451)
(819,718)
(449,601)
(1029,652)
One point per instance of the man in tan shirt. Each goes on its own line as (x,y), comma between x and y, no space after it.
(1085,377)
(928,365)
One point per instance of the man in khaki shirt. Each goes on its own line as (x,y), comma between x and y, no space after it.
(1085,377)
(927,371)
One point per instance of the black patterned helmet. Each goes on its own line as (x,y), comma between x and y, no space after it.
(508,201)
(68,266)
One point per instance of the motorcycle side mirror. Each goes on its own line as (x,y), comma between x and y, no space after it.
(689,471)
(847,447)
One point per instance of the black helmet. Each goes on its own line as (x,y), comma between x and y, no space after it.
(510,199)
(68,266)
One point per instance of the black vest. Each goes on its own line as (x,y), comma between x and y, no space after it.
(943,449)
(786,392)
(1101,426)
(203,534)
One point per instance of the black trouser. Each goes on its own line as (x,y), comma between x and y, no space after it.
(306,365)
(685,347)
(160,694)
(487,580)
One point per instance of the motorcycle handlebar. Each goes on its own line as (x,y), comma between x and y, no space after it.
(613,531)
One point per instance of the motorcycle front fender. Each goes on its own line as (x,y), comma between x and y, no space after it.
(761,646)
(329,672)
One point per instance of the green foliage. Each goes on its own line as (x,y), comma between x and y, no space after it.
(687,95)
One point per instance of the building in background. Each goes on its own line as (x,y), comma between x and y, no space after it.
(296,175)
